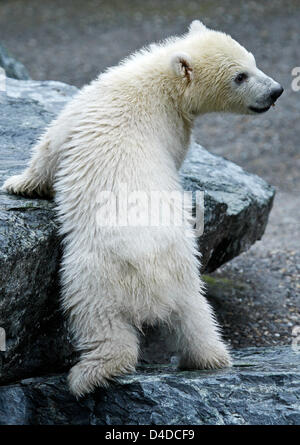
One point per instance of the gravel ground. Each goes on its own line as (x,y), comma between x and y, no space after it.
(257,294)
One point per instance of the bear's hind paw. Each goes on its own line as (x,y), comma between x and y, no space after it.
(214,360)
(84,377)
(87,375)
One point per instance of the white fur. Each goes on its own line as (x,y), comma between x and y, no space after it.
(196,27)
(132,126)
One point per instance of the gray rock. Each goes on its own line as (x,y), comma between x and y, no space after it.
(12,67)
(29,247)
(237,205)
(50,95)
(263,388)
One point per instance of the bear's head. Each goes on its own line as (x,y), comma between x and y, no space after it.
(216,73)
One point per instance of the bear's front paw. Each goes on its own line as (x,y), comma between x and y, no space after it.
(15,185)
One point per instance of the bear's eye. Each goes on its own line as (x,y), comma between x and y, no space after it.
(241,77)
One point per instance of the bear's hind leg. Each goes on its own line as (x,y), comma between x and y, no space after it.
(110,346)
(200,342)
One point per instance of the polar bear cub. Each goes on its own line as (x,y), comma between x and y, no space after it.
(132,127)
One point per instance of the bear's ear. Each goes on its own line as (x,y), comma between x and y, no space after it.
(181,64)
(197,27)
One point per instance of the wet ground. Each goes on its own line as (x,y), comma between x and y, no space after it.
(257,294)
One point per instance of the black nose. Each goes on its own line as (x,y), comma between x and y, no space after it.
(276,92)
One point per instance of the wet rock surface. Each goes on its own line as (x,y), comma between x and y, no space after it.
(237,205)
(263,387)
